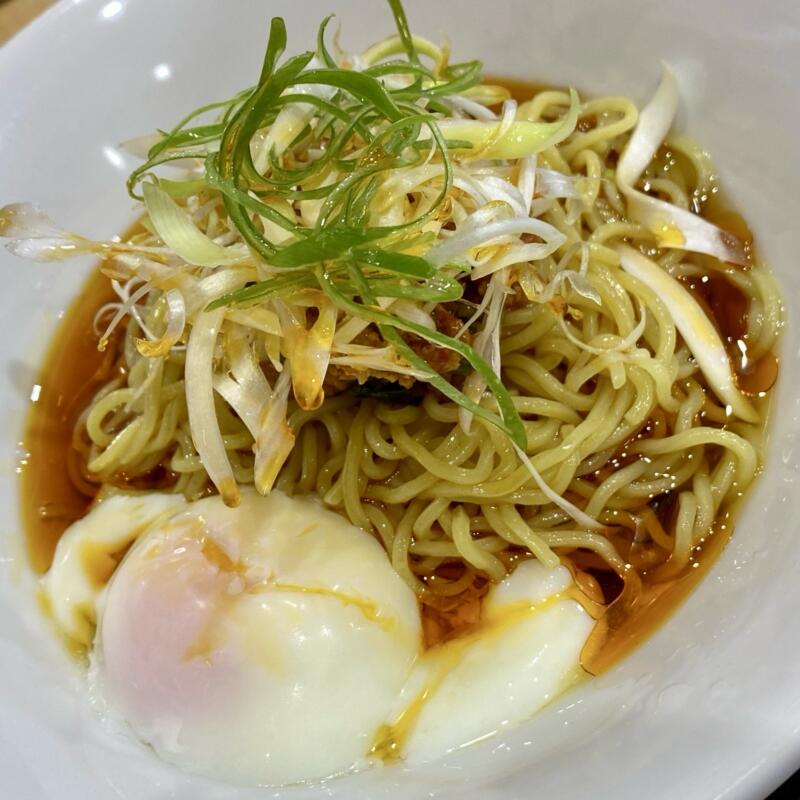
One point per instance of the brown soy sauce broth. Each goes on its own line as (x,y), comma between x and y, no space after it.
(728,307)
(56,492)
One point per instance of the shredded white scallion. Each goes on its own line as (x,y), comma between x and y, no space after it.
(203,421)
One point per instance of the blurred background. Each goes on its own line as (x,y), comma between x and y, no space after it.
(16,13)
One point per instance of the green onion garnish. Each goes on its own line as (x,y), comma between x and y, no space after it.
(359,126)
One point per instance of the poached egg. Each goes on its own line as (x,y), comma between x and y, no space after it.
(273,643)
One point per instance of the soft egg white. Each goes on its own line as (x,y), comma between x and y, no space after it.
(262,644)
(525,653)
(88,552)
(274,643)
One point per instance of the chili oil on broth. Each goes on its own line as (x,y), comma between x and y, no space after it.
(54,496)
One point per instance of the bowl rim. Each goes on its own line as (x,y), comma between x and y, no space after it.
(766,772)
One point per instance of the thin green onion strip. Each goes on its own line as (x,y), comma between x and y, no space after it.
(359,129)
(509,421)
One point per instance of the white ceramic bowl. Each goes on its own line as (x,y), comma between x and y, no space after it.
(710,706)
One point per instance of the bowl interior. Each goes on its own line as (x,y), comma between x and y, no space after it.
(709,704)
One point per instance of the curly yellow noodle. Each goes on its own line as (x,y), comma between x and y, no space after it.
(629,431)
